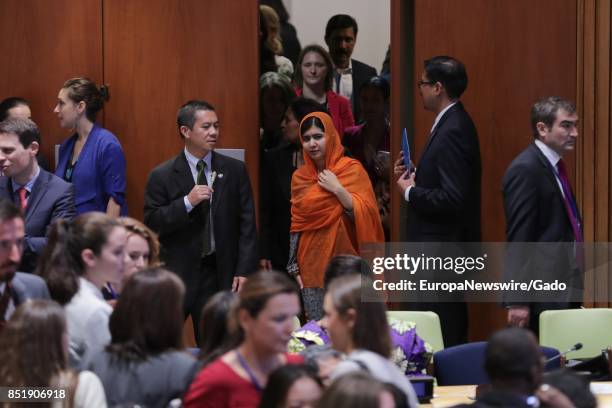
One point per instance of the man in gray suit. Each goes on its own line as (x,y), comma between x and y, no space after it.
(15,287)
(42,196)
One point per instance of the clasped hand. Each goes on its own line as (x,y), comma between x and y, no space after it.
(199,193)
(329,181)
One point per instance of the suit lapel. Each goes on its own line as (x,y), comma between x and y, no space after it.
(218,166)
(19,291)
(38,191)
(550,174)
(184,178)
(439,125)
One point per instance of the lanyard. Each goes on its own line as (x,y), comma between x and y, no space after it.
(249,372)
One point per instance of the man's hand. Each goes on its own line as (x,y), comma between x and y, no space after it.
(198,194)
(237,283)
(552,397)
(265,264)
(403,182)
(518,316)
(398,166)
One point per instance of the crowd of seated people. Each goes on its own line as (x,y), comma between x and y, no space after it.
(99,317)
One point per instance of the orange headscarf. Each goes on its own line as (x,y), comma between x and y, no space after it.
(318,215)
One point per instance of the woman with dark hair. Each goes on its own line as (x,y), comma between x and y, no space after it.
(91,159)
(357,390)
(370,142)
(275,95)
(333,209)
(34,354)
(292,386)
(80,258)
(141,251)
(218,337)
(350,324)
(314,78)
(144,363)
(277,167)
(267,304)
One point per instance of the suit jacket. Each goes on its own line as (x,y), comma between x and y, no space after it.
(275,209)
(51,199)
(444,206)
(361,73)
(535,212)
(181,233)
(27,286)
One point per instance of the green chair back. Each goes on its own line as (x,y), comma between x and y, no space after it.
(562,329)
(427,326)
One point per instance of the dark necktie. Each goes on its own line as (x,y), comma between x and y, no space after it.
(206,244)
(570,203)
(572,212)
(4,303)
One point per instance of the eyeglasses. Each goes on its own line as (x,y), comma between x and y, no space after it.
(420,83)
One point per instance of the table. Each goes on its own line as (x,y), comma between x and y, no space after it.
(451,395)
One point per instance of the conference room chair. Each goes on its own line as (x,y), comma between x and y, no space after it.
(464,364)
(562,329)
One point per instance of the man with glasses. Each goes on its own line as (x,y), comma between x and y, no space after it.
(15,287)
(443,194)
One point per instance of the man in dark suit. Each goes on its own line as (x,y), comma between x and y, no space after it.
(340,37)
(541,211)
(201,205)
(43,197)
(443,194)
(15,287)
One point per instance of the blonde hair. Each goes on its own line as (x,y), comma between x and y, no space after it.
(133,226)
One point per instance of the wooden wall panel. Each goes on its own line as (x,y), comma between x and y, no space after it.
(515,52)
(43,44)
(157,55)
(594,182)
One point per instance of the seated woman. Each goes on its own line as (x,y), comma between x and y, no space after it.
(333,209)
(267,304)
(358,389)
(144,363)
(313,78)
(80,257)
(92,159)
(351,323)
(409,352)
(141,251)
(370,141)
(34,353)
(292,386)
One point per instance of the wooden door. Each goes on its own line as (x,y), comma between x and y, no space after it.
(43,44)
(157,55)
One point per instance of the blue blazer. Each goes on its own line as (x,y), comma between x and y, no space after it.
(99,173)
(51,199)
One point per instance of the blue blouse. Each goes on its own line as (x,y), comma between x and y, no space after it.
(99,173)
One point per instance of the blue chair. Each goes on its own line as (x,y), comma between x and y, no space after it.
(464,364)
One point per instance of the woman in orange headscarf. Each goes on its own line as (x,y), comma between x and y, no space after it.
(333,209)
